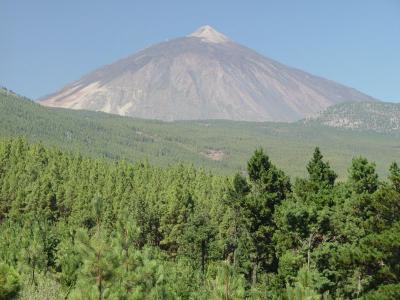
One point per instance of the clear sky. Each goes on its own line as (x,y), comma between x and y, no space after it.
(46,44)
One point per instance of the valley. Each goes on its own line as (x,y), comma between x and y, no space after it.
(98,134)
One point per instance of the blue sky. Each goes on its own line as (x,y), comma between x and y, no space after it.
(46,44)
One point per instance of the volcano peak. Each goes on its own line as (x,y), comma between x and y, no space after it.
(209,34)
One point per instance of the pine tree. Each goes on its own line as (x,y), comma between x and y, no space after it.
(320,173)
(258,165)
(235,225)
(269,187)
(226,284)
(99,262)
(33,254)
(363,177)
(303,288)
(146,278)
(98,268)
(68,259)
(394,176)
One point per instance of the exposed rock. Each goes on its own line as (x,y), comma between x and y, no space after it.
(202,76)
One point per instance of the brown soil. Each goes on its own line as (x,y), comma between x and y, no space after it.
(214,154)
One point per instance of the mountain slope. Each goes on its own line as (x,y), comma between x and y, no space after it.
(222,146)
(202,76)
(374,116)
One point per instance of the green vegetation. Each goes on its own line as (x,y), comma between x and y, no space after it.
(381,117)
(9,282)
(82,228)
(162,143)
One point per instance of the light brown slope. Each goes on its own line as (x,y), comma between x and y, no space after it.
(202,76)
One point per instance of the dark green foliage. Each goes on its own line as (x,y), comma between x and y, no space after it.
(384,292)
(394,176)
(363,176)
(258,165)
(79,228)
(269,188)
(320,173)
(240,185)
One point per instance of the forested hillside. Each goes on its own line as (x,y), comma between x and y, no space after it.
(79,228)
(381,117)
(221,146)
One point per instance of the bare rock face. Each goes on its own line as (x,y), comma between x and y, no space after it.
(204,75)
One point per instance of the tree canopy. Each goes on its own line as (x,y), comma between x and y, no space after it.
(73,227)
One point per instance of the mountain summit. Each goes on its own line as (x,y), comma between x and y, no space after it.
(204,75)
(208,34)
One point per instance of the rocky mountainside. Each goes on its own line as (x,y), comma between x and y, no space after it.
(204,75)
(381,117)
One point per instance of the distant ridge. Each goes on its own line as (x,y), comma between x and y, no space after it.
(220,145)
(204,75)
(382,117)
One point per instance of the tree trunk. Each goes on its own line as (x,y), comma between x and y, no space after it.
(100,288)
(203,255)
(254,274)
(309,251)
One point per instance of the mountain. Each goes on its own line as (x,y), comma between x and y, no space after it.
(381,117)
(219,145)
(204,75)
